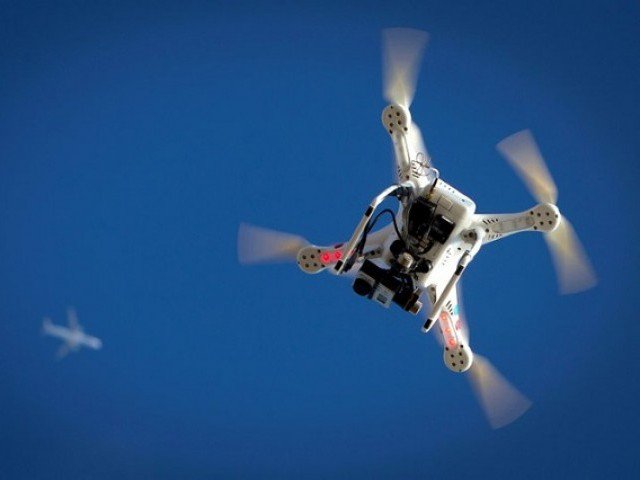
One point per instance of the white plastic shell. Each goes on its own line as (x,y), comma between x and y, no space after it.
(544,217)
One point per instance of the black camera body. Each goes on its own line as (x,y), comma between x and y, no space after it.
(385,286)
(427,227)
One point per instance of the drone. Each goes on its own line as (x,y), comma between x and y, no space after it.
(421,254)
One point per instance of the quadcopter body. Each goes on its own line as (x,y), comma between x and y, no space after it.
(435,233)
(426,247)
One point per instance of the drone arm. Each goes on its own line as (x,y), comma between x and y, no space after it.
(401,150)
(349,251)
(412,160)
(544,217)
(476,235)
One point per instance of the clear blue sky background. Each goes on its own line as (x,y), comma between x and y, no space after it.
(134,139)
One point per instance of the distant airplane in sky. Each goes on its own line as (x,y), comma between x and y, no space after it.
(73,335)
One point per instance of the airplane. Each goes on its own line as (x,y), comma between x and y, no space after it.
(73,335)
(430,241)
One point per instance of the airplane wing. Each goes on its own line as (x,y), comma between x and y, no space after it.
(72,318)
(46,325)
(63,351)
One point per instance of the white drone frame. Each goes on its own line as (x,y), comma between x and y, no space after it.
(416,178)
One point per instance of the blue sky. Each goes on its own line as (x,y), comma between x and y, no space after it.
(134,139)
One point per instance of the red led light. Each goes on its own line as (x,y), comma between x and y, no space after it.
(337,254)
(452,342)
(326,257)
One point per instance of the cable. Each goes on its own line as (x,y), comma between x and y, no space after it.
(372,223)
(424,250)
(393,218)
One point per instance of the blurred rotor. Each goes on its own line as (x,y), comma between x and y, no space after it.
(262,245)
(573,268)
(522,153)
(402,51)
(501,402)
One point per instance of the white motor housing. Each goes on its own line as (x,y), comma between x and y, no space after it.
(396,119)
(457,354)
(313,259)
(544,217)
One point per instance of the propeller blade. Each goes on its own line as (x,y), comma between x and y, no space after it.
(522,153)
(573,268)
(261,245)
(501,402)
(402,51)
(415,143)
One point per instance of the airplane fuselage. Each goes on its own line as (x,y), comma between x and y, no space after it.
(74,338)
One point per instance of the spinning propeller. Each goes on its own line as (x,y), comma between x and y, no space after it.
(402,50)
(501,402)
(572,265)
(261,245)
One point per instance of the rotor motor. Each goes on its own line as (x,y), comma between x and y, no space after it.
(396,118)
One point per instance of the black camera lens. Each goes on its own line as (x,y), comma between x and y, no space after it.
(396,248)
(362,287)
